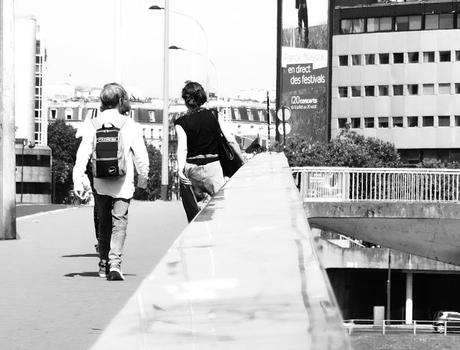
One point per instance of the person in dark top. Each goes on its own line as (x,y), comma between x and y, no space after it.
(302,16)
(197,153)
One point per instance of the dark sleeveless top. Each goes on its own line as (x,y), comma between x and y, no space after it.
(201,128)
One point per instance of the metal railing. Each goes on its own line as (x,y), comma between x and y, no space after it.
(401,326)
(377,184)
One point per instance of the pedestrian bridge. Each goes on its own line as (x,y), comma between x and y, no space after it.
(245,273)
(415,211)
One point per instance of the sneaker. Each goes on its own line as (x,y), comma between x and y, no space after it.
(103,268)
(115,273)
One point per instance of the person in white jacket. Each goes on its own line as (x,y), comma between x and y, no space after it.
(113,195)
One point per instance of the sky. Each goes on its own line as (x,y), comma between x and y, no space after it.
(235,49)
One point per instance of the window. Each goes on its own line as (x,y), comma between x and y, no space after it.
(412,89)
(444,56)
(384,90)
(457,120)
(355,123)
(369,90)
(356,60)
(401,23)
(343,91)
(444,120)
(428,56)
(379,24)
(370,58)
(398,57)
(152,116)
(384,58)
(444,89)
(446,21)
(457,88)
(397,122)
(68,113)
(412,57)
(412,122)
(457,55)
(237,113)
(53,112)
(348,26)
(356,91)
(428,89)
(342,123)
(343,60)
(398,90)
(383,122)
(369,122)
(427,121)
(431,21)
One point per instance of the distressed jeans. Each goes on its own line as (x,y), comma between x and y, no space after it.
(113,221)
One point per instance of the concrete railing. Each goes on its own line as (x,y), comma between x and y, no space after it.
(377,184)
(244,274)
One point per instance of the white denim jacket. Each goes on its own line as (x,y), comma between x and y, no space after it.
(123,186)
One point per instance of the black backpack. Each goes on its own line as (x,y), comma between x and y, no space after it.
(108,158)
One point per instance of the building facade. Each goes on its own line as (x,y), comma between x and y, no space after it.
(396,74)
(33,157)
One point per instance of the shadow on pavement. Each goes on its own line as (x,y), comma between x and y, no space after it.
(91,274)
(92,255)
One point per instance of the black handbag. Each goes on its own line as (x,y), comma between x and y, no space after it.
(228,158)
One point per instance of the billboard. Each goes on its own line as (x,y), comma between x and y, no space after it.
(304,67)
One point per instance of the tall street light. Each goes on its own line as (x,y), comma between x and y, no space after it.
(165,141)
(175,47)
(155,7)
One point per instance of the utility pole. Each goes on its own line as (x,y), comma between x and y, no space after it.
(165,140)
(279,35)
(7,148)
(388,316)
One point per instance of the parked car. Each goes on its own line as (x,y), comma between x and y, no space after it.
(449,319)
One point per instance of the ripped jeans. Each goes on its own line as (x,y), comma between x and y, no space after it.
(113,221)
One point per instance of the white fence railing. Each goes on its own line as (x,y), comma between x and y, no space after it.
(401,326)
(377,184)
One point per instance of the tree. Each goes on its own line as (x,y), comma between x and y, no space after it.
(349,149)
(153,190)
(64,146)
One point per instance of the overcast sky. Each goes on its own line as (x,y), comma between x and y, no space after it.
(80,40)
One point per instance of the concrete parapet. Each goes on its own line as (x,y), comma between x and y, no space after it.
(243,275)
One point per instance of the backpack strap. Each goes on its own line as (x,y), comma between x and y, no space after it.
(119,123)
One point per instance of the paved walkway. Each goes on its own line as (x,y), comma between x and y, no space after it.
(50,294)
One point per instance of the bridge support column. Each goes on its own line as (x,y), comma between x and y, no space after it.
(409,297)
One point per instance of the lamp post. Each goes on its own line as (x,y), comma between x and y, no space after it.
(155,7)
(175,47)
(164,147)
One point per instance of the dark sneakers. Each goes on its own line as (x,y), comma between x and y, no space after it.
(103,268)
(115,273)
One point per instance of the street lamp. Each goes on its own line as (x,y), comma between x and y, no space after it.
(155,7)
(164,148)
(175,47)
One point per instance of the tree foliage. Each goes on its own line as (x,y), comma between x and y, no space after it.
(153,190)
(64,146)
(349,149)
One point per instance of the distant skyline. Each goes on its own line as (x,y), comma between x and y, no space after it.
(80,42)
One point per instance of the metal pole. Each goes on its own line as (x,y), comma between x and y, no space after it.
(7,148)
(164,144)
(278,63)
(268,121)
(118,42)
(284,126)
(389,286)
(22,170)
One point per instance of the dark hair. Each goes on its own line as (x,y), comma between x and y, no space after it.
(193,95)
(113,95)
